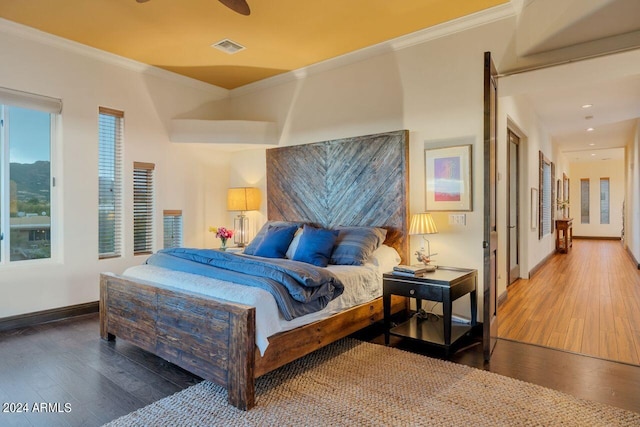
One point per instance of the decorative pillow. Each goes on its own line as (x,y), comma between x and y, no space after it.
(356,244)
(385,258)
(294,243)
(315,246)
(276,241)
(251,247)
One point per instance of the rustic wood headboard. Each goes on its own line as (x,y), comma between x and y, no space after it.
(360,181)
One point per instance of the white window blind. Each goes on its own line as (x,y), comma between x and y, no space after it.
(110,132)
(546,199)
(31,101)
(143,208)
(604,200)
(584,201)
(172,225)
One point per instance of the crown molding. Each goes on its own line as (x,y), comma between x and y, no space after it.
(18,30)
(457,25)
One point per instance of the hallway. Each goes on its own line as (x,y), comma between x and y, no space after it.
(585,302)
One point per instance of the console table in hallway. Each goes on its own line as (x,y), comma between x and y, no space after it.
(564,235)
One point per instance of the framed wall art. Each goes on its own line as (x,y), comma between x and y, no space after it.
(534,208)
(448,178)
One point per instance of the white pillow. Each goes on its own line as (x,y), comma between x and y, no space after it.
(294,244)
(385,258)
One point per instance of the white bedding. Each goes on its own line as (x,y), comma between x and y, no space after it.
(361,284)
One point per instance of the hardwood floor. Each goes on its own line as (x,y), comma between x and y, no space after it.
(66,362)
(587,301)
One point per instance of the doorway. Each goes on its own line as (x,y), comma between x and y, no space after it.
(513,203)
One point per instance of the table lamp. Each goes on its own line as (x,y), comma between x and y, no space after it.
(242,199)
(423,224)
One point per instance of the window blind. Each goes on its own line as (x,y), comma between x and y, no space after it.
(172,226)
(546,199)
(604,200)
(143,208)
(584,201)
(32,101)
(110,137)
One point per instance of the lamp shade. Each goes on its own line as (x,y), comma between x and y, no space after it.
(243,199)
(422,223)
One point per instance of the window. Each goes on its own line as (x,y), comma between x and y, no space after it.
(547,197)
(604,200)
(142,208)
(172,225)
(584,201)
(27,136)
(110,131)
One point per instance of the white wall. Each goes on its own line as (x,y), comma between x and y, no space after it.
(632,205)
(593,171)
(190,177)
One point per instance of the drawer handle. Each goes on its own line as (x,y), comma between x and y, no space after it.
(412,291)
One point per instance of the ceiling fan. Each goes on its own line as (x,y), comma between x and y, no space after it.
(239,6)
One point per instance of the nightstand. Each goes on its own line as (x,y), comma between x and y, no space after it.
(444,285)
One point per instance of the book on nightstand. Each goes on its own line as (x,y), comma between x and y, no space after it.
(412,270)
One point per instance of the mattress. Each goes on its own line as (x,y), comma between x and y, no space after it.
(361,284)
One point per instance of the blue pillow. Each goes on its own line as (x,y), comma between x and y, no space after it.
(356,244)
(251,247)
(315,246)
(276,242)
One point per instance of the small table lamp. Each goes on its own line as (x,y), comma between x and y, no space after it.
(422,224)
(242,199)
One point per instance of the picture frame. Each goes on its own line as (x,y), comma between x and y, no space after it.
(534,208)
(448,178)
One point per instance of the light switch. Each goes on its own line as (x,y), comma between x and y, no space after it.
(457,219)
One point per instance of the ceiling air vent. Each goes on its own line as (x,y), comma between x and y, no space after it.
(228,46)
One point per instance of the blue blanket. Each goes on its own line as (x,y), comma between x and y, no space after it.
(297,287)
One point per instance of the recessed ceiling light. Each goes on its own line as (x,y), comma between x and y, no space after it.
(587,106)
(590,129)
(592,144)
(593,154)
(228,46)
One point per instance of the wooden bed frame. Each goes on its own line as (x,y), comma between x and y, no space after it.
(214,338)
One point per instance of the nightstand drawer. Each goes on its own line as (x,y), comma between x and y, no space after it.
(406,288)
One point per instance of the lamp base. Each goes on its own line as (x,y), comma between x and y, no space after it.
(423,258)
(241,226)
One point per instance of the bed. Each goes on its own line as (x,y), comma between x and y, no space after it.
(359,182)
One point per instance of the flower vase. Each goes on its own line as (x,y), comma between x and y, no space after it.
(223,244)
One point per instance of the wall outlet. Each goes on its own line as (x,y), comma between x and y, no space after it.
(457,219)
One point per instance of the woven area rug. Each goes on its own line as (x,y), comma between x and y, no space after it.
(354,383)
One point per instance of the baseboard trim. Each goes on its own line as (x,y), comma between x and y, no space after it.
(539,265)
(30,319)
(635,261)
(597,238)
(502,298)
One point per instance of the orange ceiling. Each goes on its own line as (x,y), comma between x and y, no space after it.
(279,35)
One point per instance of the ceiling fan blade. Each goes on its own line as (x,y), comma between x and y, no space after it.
(239,6)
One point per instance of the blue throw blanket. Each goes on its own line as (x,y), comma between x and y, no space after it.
(297,287)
